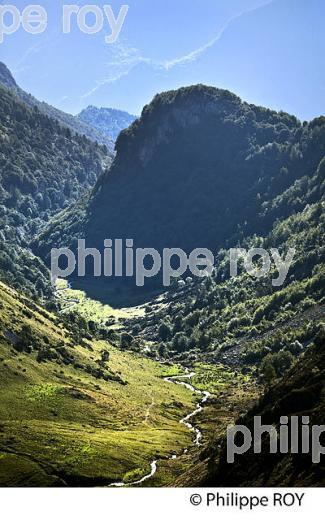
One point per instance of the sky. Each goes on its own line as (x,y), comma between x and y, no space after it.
(269,52)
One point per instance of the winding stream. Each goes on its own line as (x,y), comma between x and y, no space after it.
(186,421)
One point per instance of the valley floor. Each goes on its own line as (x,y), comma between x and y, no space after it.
(61,423)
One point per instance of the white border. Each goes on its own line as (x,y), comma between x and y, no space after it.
(146,504)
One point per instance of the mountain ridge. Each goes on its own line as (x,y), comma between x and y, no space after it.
(180,151)
(67,120)
(110,121)
(44,167)
(200,167)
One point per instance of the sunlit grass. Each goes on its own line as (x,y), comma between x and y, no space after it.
(58,421)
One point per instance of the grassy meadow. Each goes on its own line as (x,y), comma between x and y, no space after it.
(59,424)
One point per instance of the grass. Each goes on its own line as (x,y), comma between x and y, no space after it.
(231,394)
(134,475)
(217,378)
(172,370)
(92,309)
(59,424)
(41,393)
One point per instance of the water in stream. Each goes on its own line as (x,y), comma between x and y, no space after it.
(185,421)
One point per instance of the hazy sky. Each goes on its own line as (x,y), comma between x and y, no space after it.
(267,56)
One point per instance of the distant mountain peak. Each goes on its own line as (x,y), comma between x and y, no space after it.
(108,110)
(110,121)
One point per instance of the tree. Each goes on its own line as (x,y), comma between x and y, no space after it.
(180,342)
(164,332)
(282,361)
(268,370)
(163,350)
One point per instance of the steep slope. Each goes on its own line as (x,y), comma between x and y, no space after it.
(6,78)
(242,320)
(44,167)
(199,169)
(67,120)
(299,393)
(108,120)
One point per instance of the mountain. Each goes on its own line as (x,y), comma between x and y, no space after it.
(200,168)
(108,120)
(44,167)
(300,392)
(67,120)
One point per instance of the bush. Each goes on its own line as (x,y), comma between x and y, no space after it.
(126,340)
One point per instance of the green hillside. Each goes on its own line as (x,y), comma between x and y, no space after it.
(200,168)
(75,411)
(84,399)
(44,167)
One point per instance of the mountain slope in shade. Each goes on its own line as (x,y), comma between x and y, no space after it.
(67,120)
(109,121)
(198,169)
